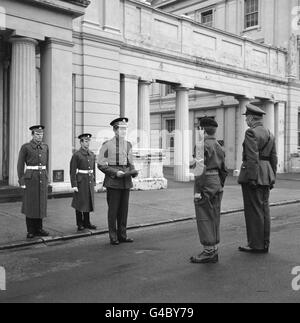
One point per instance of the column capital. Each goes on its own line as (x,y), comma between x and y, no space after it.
(128,76)
(146,82)
(27,40)
(184,87)
(268,101)
(242,98)
(57,41)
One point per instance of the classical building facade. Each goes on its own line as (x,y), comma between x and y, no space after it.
(271,23)
(74,65)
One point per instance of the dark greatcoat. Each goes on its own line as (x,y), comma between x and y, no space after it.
(36,181)
(83,201)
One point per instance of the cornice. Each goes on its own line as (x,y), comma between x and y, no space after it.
(195,61)
(82,3)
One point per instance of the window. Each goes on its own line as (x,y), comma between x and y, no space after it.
(251,13)
(169,89)
(170,126)
(207,18)
(299,130)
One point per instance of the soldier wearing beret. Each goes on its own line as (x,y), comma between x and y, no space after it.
(257,177)
(116,162)
(33,178)
(209,193)
(82,174)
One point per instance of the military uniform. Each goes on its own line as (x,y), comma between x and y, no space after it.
(208,189)
(257,176)
(116,155)
(35,156)
(82,174)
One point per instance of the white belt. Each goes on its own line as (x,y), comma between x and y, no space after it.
(212,172)
(36,167)
(80,171)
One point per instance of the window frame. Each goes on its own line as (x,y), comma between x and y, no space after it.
(252,13)
(199,14)
(170,134)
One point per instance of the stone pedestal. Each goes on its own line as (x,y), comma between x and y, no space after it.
(22,99)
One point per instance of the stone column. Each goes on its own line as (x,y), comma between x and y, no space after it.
(230,135)
(22,99)
(56,107)
(181,151)
(129,105)
(280,135)
(1,107)
(269,117)
(241,129)
(144,114)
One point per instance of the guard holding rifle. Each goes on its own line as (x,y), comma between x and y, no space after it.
(116,162)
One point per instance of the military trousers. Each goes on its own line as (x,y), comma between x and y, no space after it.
(34,225)
(117,200)
(82,219)
(208,210)
(257,215)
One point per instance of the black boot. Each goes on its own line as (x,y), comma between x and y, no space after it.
(79,220)
(87,224)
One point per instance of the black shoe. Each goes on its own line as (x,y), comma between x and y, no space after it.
(42,233)
(91,227)
(126,240)
(251,250)
(114,242)
(205,258)
(30,235)
(80,228)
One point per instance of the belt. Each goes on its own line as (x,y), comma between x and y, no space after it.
(80,171)
(211,172)
(36,167)
(264,158)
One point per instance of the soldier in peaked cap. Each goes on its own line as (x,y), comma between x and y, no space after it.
(257,177)
(208,194)
(116,162)
(33,178)
(82,174)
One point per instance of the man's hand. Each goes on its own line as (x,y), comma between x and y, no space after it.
(252,184)
(75,189)
(120,174)
(197,196)
(23,187)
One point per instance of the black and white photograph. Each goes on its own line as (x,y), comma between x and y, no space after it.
(150,154)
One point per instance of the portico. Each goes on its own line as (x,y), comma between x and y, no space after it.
(101,65)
